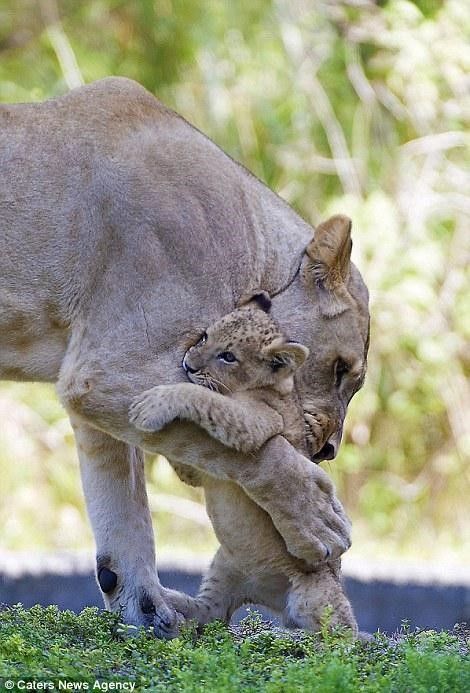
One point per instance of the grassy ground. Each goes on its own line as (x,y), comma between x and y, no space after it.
(44,648)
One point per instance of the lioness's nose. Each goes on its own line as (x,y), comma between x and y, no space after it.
(328,452)
(330,448)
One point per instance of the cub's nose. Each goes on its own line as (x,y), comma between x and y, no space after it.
(187,368)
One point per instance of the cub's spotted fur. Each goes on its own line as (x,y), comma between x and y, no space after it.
(246,366)
(243,355)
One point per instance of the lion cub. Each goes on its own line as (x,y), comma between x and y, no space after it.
(245,366)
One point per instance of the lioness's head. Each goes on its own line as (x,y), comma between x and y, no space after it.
(326,308)
(245,350)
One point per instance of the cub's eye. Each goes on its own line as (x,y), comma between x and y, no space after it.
(227,357)
(202,338)
(341,369)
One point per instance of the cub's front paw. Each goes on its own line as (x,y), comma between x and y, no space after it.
(152,410)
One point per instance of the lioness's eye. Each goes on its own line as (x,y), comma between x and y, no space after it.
(341,368)
(203,338)
(227,357)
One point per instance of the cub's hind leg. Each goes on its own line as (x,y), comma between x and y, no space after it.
(221,592)
(312,595)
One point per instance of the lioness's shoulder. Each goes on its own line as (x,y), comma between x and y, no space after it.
(118,95)
(109,88)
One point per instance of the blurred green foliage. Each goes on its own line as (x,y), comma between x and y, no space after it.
(358,107)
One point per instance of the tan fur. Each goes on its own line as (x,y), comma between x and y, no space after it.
(255,411)
(252,563)
(123,232)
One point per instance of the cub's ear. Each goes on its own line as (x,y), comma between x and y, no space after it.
(330,256)
(261,298)
(284,356)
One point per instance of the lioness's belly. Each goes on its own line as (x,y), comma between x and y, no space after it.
(31,346)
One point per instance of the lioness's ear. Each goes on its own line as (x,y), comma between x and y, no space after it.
(261,298)
(285,356)
(330,255)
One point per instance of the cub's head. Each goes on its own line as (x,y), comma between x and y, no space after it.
(245,350)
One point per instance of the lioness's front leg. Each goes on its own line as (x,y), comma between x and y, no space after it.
(297,494)
(244,427)
(114,485)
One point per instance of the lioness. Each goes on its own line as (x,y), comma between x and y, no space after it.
(123,232)
(248,366)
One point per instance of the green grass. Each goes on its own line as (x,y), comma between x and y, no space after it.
(47,645)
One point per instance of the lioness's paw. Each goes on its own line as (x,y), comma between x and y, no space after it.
(151,410)
(167,626)
(139,603)
(310,518)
